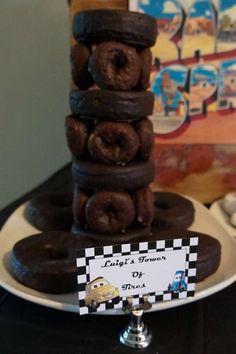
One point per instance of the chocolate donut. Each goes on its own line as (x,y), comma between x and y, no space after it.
(172,211)
(113,143)
(209,249)
(94,26)
(51,211)
(112,105)
(145,56)
(46,261)
(91,175)
(79,57)
(115,66)
(76,135)
(144,129)
(109,212)
(144,203)
(131,234)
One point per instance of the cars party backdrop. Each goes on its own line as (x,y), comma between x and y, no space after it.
(194,82)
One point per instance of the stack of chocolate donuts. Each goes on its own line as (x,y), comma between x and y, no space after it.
(111,140)
(108,133)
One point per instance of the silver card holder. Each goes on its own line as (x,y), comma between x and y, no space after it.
(136,334)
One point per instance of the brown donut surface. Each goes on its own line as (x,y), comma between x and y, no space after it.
(131,234)
(115,66)
(172,211)
(112,105)
(109,212)
(46,261)
(92,175)
(145,56)
(79,57)
(113,143)
(76,135)
(50,211)
(144,129)
(95,26)
(144,203)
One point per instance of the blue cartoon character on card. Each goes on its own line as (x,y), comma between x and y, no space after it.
(178,284)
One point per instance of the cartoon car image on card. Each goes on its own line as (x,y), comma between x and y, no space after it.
(178,284)
(100,290)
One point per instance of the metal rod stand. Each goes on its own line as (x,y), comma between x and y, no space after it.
(136,334)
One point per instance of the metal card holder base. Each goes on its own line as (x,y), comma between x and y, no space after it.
(136,334)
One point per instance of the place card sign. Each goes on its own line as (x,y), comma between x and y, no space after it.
(107,275)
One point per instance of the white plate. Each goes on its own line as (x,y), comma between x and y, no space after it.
(17,227)
(217,210)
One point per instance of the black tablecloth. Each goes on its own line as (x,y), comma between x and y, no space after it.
(207,326)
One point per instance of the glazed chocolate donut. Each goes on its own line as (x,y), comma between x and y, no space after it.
(76,135)
(172,211)
(91,175)
(95,26)
(209,249)
(144,129)
(51,211)
(145,56)
(113,143)
(46,261)
(131,234)
(115,66)
(112,105)
(145,208)
(79,57)
(109,212)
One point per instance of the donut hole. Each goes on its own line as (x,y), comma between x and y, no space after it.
(119,59)
(163,204)
(55,253)
(117,140)
(110,210)
(114,139)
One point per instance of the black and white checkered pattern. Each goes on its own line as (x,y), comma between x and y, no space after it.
(84,256)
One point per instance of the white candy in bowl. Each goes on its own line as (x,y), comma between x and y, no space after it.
(229,203)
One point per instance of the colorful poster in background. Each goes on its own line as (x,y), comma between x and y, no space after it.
(194,70)
(194,82)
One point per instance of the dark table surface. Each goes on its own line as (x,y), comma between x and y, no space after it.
(207,326)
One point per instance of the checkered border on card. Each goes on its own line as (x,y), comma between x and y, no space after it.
(85,255)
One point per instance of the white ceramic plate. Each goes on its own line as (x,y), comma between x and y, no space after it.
(218,212)
(17,227)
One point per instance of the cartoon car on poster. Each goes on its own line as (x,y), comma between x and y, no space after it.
(178,284)
(100,290)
